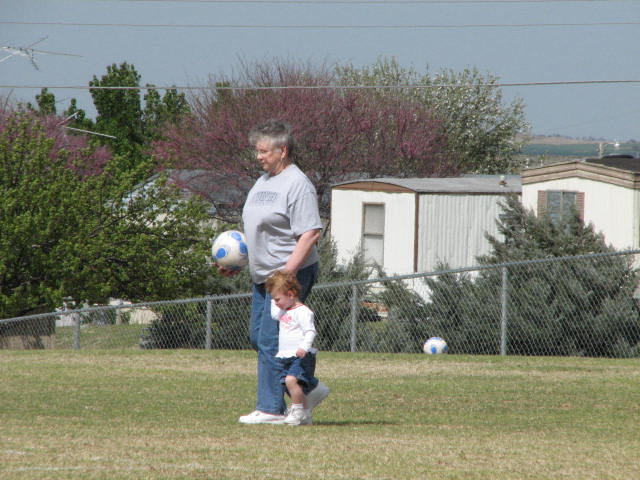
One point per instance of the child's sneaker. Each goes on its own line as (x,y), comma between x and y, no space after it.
(298,416)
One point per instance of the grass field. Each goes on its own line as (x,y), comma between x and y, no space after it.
(173,415)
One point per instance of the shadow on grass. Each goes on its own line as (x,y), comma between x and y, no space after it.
(351,423)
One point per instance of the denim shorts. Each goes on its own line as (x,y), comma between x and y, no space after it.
(303,369)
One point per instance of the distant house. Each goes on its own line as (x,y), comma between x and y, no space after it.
(225,194)
(409,225)
(606,192)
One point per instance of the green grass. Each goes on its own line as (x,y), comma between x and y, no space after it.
(100,336)
(132,414)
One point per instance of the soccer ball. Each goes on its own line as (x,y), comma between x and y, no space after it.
(230,250)
(435,345)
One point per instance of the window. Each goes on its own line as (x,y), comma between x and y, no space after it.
(557,203)
(373,233)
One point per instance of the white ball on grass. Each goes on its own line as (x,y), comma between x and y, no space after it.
(434,346)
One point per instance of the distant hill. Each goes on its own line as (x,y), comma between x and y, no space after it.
(560,140)
(558,148)
(561,150)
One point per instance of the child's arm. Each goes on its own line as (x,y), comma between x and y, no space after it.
(309,333)
(276,313)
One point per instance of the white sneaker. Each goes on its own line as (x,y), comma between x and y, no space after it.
(315,396)
(261,417)
(298,416)
(307,421)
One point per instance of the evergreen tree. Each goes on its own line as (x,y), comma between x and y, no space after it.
(159,112)
(120,112)
(76,117)
(46,102)
(554,308)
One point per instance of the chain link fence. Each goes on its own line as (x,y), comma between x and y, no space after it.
(584,305)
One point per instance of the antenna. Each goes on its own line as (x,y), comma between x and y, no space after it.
(88,131)
(29,51)
(73,115)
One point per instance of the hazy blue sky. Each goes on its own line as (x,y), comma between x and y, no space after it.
(518,41)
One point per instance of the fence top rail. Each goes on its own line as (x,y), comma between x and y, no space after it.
(492,266)
(327,285)
(104,308)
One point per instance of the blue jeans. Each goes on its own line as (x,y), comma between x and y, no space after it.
(264,338)
(303,369)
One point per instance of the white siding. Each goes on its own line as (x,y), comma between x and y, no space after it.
(346,226)
(613,210)
(452,228)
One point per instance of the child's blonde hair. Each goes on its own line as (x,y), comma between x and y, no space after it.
(282,282)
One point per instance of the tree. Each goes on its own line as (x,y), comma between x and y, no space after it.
(82,155)
(76,117)
(88,233)
(121,114)
(160,111)
(340,132)
(480,130)
(46,102)
(46,108)
(120,111)
(554,308)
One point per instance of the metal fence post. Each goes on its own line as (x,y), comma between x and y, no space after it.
(76,331)
(119,313)
(68,303)
(208,320)
(354,316)
(503,313)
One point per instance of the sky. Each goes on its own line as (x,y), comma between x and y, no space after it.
(578,59)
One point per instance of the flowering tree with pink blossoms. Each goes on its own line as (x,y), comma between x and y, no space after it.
(341,133)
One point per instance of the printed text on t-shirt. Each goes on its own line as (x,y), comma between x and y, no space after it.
(265,198)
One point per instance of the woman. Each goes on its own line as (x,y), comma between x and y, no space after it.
(282,225)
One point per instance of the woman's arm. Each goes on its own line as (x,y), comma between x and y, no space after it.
(305,243)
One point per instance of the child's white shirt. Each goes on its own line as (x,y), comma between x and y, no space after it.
(297,329)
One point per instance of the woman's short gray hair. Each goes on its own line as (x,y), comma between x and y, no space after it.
(275,131)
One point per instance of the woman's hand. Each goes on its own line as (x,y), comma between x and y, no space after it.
(225,272)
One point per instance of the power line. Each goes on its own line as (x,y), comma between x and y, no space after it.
(327,27)
(371,2)
(327,87)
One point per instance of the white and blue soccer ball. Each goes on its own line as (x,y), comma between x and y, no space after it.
(229,250)
(434,346)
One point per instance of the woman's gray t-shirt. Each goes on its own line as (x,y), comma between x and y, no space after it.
(277,211)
